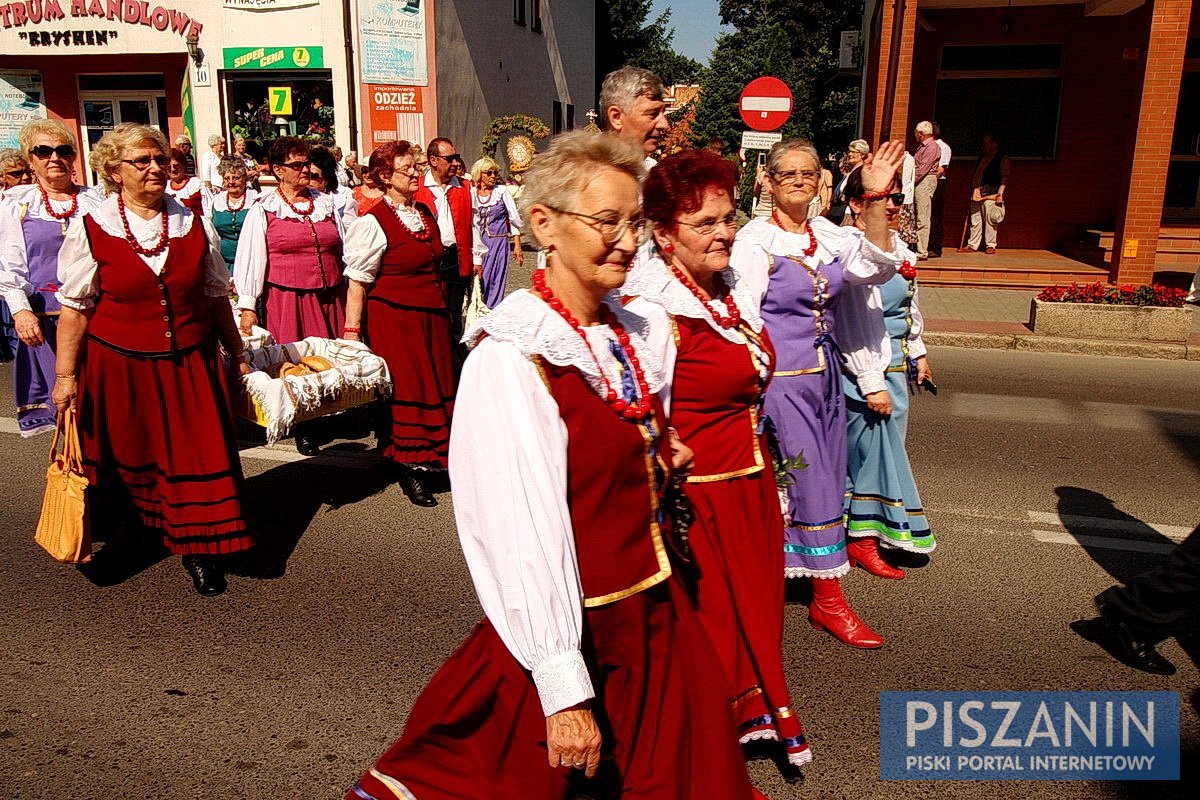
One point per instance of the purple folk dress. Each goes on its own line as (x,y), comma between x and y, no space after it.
(805,406)
(29,282)
(497,220)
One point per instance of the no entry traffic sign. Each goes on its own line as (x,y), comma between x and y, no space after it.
(766,103)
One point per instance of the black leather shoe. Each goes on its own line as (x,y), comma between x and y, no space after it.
(307,445)
(415,490)
(207,576)
(1137,649)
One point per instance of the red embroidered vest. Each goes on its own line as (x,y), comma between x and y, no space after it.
(611,491)
(295,261)
(408,270)
(714,399)
(145,313)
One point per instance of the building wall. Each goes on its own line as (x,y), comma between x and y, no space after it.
(488,66)
(1080,187)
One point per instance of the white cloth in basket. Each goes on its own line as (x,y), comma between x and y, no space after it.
(355,366)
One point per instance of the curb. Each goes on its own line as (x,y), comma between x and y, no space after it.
(1034,343)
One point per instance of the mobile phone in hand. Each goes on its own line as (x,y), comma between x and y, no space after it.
(929,386)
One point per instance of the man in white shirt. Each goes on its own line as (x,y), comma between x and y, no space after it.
(632,107)
(450,201)
(936,231)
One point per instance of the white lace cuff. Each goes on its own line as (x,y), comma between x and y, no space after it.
(78,305)
(362,276)
(17,300)
(562,681)
(875,255)
(916,347)
(871,382)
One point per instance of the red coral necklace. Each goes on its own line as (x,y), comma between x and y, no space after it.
(312,203)
(733,316)
(812,237)
(65,215)
(133,242)
(636,409)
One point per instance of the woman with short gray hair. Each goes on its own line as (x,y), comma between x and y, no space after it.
(796,270)
(210,175)
(229,206)
(558,457)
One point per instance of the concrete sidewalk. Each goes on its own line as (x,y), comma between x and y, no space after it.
(996,319)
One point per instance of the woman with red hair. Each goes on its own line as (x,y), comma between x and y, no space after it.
(392,253)
(718,360)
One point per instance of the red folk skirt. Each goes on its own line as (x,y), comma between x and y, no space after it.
(157,434)
(477,732)
(293,314)
(415,344)
(736,544)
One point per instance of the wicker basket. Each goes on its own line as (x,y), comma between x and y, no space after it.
(249,409)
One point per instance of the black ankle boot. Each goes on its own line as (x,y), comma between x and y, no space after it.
(207,576)
(413,484)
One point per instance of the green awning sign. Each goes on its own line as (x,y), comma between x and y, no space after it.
(274,58)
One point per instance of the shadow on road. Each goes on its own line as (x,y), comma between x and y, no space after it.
(1075,506)
(1181,428)
(282,503)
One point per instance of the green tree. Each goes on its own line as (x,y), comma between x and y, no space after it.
(797,42)
(626,34)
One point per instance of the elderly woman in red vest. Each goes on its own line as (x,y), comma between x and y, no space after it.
(392,253)
(590,675)
(144,301)
(289,254)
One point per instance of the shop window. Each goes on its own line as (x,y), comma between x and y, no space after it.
(263,105)
(1010,91)
(519,12)
(535,16)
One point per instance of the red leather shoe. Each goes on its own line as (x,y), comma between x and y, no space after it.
(830,612)
(864,552)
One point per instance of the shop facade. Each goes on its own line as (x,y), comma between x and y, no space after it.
(354,73)
(255,68)
(1095,103)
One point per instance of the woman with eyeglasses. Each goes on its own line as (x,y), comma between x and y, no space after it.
(144,294)
(323,177)
(14,170)
(717,361)
(499,225)
(33,224)
(289,259)
(392,253)
(187,189)
(880,328)
(589,676)
(290,253)
(796,271)
(231,205)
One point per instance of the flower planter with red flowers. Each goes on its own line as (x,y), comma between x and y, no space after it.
(1106,311)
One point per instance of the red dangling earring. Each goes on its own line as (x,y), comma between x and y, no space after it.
(668,249)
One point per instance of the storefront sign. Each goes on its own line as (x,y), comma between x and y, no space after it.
(130,12)
(395,112)
(21,100)
(268,5)
(274,57)
(392,34)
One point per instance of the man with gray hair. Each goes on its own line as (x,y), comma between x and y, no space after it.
(184,143)
(632,107)
(925,177)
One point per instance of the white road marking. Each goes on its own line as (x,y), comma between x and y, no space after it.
(1175,533)
(8,425)
(1104,542)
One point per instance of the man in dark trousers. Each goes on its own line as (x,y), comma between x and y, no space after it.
(1140,614)
(449,199)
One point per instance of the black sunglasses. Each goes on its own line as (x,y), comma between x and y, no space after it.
(296,165)
(143,162)
(17,173)
(44,151)
(451,157)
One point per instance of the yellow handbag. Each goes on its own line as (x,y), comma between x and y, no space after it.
(62,530)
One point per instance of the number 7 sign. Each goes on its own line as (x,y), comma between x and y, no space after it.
(280,100)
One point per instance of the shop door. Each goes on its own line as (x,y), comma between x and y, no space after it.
(1182,200)
(100,112)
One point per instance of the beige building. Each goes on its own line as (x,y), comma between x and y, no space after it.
(354,72)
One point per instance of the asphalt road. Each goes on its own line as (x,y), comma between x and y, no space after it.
(291,683)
